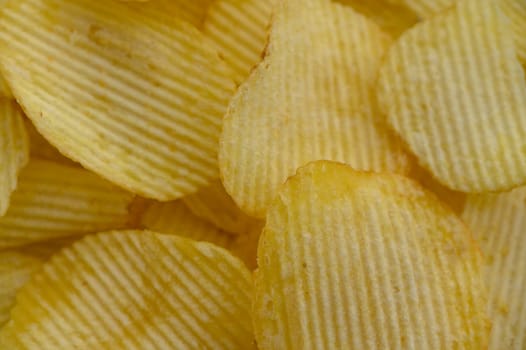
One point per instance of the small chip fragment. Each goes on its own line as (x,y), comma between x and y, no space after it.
(363,260)
(134,290)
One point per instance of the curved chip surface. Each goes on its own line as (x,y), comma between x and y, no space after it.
(359,260)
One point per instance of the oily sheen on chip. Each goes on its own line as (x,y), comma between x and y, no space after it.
(134,290)
(131,96)
(54,201)
(310,98)
(499,224)
(363,260)
(14,150)
(453,89)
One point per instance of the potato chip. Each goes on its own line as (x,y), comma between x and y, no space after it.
(454,90)
(134,290)
(54,200)
(175,218)
(214,205)
(392,18)
(14,150)
(516,11)
(311,98)
(455,200)
(17,266)
(239,30)
(41,149)
(5,90)
(426,8)
(191,11)
(358,260)
(499,224)
(137,100)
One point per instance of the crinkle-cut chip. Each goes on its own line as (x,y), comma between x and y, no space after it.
(499,223)
(193,11)
(16,267)
(5,90)
(392,18)
(14,150)
(363,260)
(516,11)
(175,218)
(239,29)
(455,200)
(134,290)
(453,89)
(216,206)
(128,96)
(41,149)
(311,98)
(55,201)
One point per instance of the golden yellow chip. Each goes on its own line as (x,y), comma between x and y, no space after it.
(358,260)
(17,266)
(137,100)
(453,89)
(54,200)
(5,90)
(214,205)
(516,11)
(165,10)
(239,29)
(499,224)
(41,149)
(245,246)
(392,18)
(427,8)
(311,98)
(455,200)
(14,150)
(134,290)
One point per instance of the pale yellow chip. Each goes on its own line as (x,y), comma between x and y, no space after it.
(358,260)
(193,11)
(499,224)
(137,100)
(134,290)
(455,200)
(392,18)
(40,148)
(427,8)
(54,200)
(239,29)
(311,98)
(214,205)
(453,89)
(14,150)
(516,11)
(175,218)
(17,266)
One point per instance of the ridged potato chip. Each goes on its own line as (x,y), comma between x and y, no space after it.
(54,201)
(359,260)
(5,90)
(239,29)
(392,18)
(516,11)
(14,150)
(17,266)
(41,149)
(499,223)
(214,205)
(311,98)
(135,99)
(134,290)
(453,89)
(176,219)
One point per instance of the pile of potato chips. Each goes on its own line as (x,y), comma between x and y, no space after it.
(262,174)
